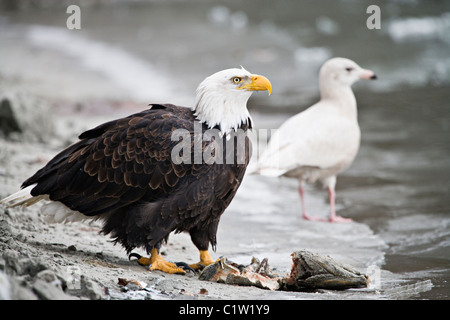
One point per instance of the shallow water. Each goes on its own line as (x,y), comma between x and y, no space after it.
(399,184)
(155,51)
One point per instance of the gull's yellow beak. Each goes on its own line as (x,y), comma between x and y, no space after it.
(258,83)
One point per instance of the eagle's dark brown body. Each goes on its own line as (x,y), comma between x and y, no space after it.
(123,172)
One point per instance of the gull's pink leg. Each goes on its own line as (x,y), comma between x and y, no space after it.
(302,200)
(333,216)
(304,214)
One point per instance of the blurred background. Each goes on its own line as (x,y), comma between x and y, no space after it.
(137,52)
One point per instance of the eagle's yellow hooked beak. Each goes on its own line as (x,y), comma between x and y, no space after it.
(258,83)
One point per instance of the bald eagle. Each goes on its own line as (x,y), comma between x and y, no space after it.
(126,171)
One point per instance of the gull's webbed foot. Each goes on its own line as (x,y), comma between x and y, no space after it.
(339,219)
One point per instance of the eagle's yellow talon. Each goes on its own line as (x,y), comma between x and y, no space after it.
(157,262)
(163,265)
(143,261)
(205,260)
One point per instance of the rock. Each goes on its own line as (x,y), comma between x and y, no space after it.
(5,287)
(12,288)
(48,291)
(21,290)
(51,277)
(91,289)
(16,264)
(24,117)
(26,278)
(11,262)
(5,229)
(32,266)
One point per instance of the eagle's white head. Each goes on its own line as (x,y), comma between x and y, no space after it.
(222,98)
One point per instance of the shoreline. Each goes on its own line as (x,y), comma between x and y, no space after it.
(34,251)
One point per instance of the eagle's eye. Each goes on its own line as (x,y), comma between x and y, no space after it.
(237,80)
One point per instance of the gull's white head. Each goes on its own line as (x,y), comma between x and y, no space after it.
(222,98)
(343,72)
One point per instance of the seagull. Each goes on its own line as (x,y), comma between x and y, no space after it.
(323,140)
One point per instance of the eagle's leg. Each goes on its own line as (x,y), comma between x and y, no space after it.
(157,262)
(205,260)
(201,239)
